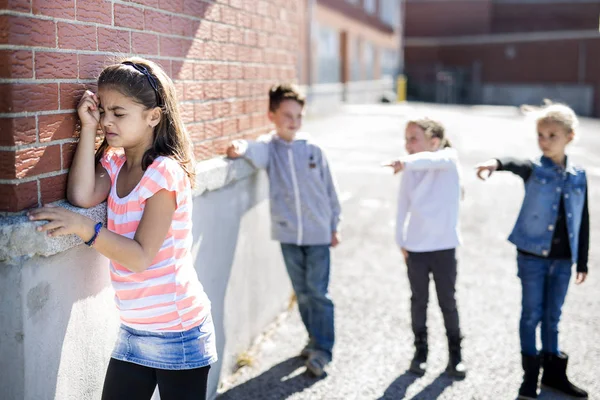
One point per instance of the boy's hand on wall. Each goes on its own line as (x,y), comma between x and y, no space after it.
(336,238)
(234,150)
(490,166)
(397,165)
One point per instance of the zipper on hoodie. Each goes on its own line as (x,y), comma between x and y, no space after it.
(296,195)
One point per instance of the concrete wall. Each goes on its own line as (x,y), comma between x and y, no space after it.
(58,321)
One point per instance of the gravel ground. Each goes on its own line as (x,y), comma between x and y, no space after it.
(370,288)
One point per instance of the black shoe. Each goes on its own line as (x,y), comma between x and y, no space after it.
(418,365)
(456,367)
(555,376)
(531,368)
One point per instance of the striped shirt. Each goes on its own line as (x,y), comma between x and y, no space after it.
(167,296)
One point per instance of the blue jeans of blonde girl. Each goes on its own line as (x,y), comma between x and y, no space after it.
(544,285)
(308,268)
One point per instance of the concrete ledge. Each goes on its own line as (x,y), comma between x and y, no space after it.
(19,239)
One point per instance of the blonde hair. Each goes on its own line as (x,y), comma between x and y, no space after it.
(432,129)
(557,113)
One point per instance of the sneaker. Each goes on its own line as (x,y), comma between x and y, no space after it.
(307,351)
(316,363)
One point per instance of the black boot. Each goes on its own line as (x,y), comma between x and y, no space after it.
(418,364)
(555,376)
(455,367)
(531,368)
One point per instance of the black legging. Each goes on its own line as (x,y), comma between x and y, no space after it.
(129,381)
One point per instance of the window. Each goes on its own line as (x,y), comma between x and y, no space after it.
(328,55)
(370,6)
(355,60)
(389,12)
(389,62)
(369,57)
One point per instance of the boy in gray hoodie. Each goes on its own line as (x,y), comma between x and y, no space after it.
(305,213)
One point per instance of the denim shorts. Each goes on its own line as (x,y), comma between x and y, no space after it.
(194,348)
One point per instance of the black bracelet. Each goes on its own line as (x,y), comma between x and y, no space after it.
(97,228)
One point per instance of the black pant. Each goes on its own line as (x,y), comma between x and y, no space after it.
(129,381)
(442,264)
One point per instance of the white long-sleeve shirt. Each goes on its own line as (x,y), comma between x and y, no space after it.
(428,201)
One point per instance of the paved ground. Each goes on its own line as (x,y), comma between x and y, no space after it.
(369,284)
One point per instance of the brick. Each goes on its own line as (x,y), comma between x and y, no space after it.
(194,91)
(203,111)
(17,131)
(113,40)
(195,8)
(57,127)
(16,64)
(228,16)
(243,123)
(203,151)
(236,35)
(212,90)
(179,90)
(236,3)
(183,70)
(213,12)
(68,152)
(204,31)
(174,6)
(236,72)
(129,16)
(18,197)
(37,160)
(56,8)
(183,26)
(90,65)
(220,33)
(195,51)
(26,31)
(196,131)
(187,112)
(70,94)
(228,90)
(53,188)
(171,47)
(203,72)
(79,37)
(28,97)
(229,52)
(229,127)
(98,11)
(244,20)
(144,43)
(16,5)
(219,146)
(156,21)
(220,71)
(149,3)
(8,169)
(55,65)
(164,64)
(212,51)
(213,129)
(221,109)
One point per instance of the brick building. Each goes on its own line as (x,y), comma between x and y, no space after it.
(504,51)
(222,54)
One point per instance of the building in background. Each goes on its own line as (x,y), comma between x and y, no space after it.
(504,52)
(352,51)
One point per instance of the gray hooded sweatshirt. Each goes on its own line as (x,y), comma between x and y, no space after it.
(304,204)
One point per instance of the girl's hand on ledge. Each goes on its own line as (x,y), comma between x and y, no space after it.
(62,222)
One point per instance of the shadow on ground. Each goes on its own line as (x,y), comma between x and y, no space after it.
(279,382)
(397,390)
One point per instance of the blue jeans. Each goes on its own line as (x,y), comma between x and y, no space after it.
(308,268)
(544,285)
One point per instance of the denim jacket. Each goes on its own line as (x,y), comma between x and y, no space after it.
(535,225)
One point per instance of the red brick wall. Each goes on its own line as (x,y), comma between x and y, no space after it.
(528,17)
(222,54)
(426,18)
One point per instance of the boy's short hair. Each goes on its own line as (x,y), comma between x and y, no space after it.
(282,92)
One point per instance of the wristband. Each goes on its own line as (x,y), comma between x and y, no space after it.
(97,228)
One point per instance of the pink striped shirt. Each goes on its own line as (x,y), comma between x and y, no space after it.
(166,296)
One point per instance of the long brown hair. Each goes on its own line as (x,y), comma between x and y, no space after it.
(170,136)
(432,129)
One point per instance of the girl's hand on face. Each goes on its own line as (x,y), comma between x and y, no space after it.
(581,276)
(397,165)
(490,166)
(88,110)
(62,222)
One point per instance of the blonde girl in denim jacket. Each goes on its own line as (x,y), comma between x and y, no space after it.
(551,234)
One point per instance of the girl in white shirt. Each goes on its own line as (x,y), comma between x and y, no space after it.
(428,233)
